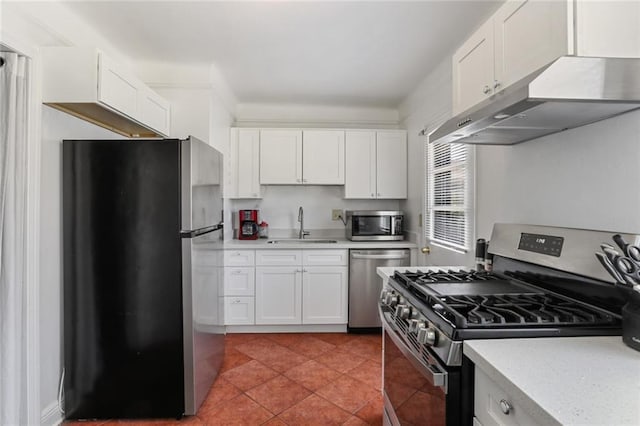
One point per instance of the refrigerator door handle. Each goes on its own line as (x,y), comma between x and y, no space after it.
(201,231)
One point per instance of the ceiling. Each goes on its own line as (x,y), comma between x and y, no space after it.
(360,54)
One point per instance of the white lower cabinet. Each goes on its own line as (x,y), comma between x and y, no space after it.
(239,310)
(324,294)
(239,287)
(492,406)
(294,287)
(278,295)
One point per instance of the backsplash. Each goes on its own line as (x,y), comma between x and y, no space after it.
(279,207)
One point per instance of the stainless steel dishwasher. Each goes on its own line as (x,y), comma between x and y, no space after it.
(365,285)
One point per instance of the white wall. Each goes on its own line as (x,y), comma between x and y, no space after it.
(582,178)
(56,126)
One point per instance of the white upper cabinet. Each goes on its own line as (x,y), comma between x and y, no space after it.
(294,157)
(88,84)
(391,164)
(528,35)
(473,69)
(376,164)
(323,157)
(525,35)
(280,157)
(360,169)
(244,164)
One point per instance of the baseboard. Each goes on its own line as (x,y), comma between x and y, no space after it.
(326,328)
(51,415)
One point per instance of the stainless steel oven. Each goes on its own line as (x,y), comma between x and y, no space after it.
(374,225)
(417,388)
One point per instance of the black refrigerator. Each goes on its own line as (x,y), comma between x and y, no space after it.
(142,240)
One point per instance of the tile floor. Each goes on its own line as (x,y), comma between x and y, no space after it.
(292,379)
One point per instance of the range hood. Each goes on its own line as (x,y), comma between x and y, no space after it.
(570,92)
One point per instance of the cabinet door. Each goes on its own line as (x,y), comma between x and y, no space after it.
(278,295)
(324,295)
(154,111)
(323,157)
(239,311)
(245,163)
(360,164)
(391,165)
(239,281)
(473,69)
(117,88)
(528,35)
(280,157)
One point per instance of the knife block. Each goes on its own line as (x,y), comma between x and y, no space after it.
(631,322)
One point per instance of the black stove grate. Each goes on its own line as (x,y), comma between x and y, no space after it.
(515,307)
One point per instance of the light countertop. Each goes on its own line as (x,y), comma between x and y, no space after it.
(261,244)
(565,380)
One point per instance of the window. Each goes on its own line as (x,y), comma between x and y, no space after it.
(449,195)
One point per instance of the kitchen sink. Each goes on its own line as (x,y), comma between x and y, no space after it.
(301,241)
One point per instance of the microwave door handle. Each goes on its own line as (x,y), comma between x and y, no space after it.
(379,256)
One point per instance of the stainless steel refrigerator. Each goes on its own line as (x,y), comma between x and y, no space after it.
(142,225)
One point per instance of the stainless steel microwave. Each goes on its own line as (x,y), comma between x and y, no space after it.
(374,225)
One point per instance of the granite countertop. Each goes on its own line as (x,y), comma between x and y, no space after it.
(342,243)
(565,380)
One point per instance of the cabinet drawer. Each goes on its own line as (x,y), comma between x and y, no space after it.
(278,257)
(239,282)
(491,402)
(239,258)
(325,257)
(239,310)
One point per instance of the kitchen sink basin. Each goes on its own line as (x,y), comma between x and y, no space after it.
(301,241)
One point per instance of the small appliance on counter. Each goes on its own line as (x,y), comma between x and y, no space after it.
(374,225)
(248,228)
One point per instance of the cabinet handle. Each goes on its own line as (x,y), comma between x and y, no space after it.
(304,270)
(505,406)
(379,194)
(486,90)
(236,301)
(304,180)
(496,84)
(373,195)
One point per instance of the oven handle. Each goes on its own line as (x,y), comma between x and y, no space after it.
(436,378)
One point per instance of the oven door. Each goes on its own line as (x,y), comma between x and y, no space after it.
(418,390)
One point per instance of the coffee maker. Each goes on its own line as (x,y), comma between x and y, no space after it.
(248,224)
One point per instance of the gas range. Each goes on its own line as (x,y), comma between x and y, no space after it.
(545,282)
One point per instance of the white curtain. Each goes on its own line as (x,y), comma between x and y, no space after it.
(14,94)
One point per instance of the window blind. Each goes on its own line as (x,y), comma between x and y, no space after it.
(449,197)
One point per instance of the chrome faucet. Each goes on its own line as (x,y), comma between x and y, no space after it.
(302,233)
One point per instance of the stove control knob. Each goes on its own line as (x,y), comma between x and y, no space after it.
(393,300)
(399,310)
(406,312)
(383,295)
(416,325)
(427,336)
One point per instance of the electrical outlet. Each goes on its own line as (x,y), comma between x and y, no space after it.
(336,214)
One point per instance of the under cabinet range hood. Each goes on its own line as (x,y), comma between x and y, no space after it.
(570,92)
